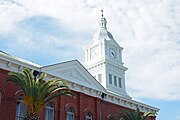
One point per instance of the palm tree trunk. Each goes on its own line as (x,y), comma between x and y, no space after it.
(32,117)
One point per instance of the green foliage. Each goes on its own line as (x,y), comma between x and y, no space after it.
(37,91)
(129,115)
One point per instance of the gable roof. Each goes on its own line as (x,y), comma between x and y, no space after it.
(73,71)
(13,61)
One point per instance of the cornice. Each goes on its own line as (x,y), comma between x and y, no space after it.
(15,65)
(109,63)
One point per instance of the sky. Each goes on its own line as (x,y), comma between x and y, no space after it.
(49,31)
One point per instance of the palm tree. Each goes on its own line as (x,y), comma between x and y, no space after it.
(127,115)
(37,92)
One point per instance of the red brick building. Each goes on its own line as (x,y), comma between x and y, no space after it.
(99,87)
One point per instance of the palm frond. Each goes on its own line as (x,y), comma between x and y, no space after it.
(137,114)
(64,92)
(129,115)
(38,92)
(17,78)
(29,81)
(146,115)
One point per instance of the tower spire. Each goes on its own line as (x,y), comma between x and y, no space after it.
(103,21)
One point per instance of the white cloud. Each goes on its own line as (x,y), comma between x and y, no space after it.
(154,55)
(148,30)
(30,42)
(10,13)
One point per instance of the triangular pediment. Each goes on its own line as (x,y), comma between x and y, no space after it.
(73,71)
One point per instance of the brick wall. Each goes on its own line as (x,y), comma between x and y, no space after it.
(81,104)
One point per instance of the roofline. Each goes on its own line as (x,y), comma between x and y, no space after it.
(58,63)
(118,99)
(75,60)
(14,59)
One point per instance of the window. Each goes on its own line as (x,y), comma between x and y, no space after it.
(115,80)
(119,81)
(49,112)
(70,114)
(20,109)
(88,116)
(110,79)
(100,78)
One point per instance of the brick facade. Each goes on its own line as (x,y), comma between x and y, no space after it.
(83,103)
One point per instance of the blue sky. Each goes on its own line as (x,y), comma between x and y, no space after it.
(48,32)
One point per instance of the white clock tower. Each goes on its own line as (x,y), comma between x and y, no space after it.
(103,59)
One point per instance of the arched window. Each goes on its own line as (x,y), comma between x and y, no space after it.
(20,109)
(88,116)
(70,114)
(49,112)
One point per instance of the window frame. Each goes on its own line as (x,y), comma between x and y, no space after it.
(19,107)
(88,117)
(115,80)
(49,107)
(110,79)
(72,112)
(100,78)
(119,82)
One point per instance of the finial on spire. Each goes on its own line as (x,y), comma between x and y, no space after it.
(102,12)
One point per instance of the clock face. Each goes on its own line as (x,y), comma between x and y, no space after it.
(112,53)
(94,52)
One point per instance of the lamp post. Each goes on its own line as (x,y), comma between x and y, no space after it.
(35,73)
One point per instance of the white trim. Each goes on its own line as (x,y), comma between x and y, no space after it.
(111,97)
(55,69)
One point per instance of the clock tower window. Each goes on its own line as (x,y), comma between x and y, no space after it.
(115,81)
(100,78)
(110,79)
(119,82)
